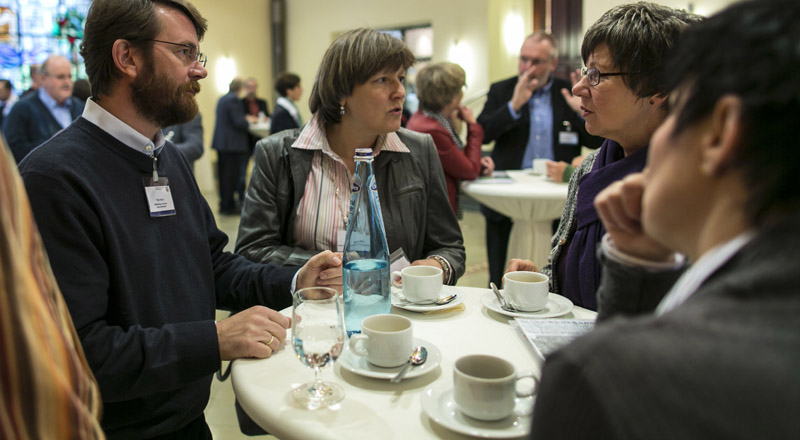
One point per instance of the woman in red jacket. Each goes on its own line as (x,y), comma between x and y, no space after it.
(439,89)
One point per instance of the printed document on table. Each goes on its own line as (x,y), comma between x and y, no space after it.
(548,335)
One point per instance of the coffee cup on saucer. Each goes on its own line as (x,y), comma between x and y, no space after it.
(385,340)
(419,283)
(526,291)
(485,387)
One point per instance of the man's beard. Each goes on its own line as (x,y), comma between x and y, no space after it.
(158,100)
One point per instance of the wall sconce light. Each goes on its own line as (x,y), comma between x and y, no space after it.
(513,32)
(225,71)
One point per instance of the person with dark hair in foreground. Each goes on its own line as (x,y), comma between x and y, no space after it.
(132,242)
(710,351)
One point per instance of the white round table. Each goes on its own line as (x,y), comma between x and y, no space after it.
(375,408)
(532,201)
(259,129)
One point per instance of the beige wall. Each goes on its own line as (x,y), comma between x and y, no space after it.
(312,23)
(593,9)
(237,29)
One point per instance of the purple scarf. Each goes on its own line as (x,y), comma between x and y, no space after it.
(579,268)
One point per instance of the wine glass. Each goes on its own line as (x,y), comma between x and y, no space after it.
(318,339)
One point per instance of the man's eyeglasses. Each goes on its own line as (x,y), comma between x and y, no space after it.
(593,75)
(190,52)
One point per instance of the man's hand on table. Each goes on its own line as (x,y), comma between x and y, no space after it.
(619,207)
(555,170)
(255,332)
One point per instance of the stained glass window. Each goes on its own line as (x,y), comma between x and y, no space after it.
(32,30)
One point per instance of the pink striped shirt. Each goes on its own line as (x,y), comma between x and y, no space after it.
(323,209)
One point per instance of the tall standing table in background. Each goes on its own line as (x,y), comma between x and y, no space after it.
(531,201)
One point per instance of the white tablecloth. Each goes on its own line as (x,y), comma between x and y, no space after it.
(373,408)
(259,129)
(532,201)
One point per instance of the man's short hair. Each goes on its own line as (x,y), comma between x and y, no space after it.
(235,85)
(750,50)
(286,81)
(639,37)
(6,84)
(350,61)
(539,36)
(132,20)
(438,84)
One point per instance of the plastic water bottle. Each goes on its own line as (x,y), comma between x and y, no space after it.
(366,255)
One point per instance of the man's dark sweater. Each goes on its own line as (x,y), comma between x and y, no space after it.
(141,291)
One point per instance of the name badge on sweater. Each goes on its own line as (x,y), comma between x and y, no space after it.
(159,197)
(567,138)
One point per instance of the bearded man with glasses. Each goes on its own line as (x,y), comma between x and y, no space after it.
(132,242)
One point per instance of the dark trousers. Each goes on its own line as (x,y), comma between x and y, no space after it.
(498,229)
(229,169)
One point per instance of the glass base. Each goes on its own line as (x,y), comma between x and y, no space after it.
(314,395)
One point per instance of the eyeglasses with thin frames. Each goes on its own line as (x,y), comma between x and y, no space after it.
(190,52)
(594,75)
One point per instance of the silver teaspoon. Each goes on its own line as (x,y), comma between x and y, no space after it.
(439,302)
(503,304)
(418,357)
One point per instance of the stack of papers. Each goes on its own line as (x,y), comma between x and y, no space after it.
(548,335)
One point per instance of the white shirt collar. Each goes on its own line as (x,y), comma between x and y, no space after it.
(288,105)
(699,272)
(121,131)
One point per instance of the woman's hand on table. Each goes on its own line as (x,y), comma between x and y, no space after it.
(323,269)
(517,264)
(555,170)
(429,262)
(619,207)
(252,333)
(487,166)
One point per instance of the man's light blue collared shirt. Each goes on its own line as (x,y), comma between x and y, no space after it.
(59,111)
(121,131)
(540,138)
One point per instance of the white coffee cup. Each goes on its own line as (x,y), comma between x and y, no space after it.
(526,291)
(385,340)
(540,166)
(484,387)
(420,283)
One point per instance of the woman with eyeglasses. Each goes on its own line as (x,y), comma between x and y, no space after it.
(623,99)
(298,199)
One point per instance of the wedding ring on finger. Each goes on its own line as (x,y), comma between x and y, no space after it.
(272,338)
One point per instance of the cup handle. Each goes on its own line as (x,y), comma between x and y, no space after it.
(357,342)
(524,375)
(395,275)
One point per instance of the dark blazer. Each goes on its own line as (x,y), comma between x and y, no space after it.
(281,120)
(511,136)
(30,123)
(230,128)
(188,138)
(721,365)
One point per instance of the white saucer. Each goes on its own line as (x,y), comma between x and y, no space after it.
(354,363)
(557,305)
(398,298)
(438,404)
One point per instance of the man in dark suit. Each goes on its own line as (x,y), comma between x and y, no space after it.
(286,116)
(716,353)
(37,117)
(528,118)
(188,138)
(231,142)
